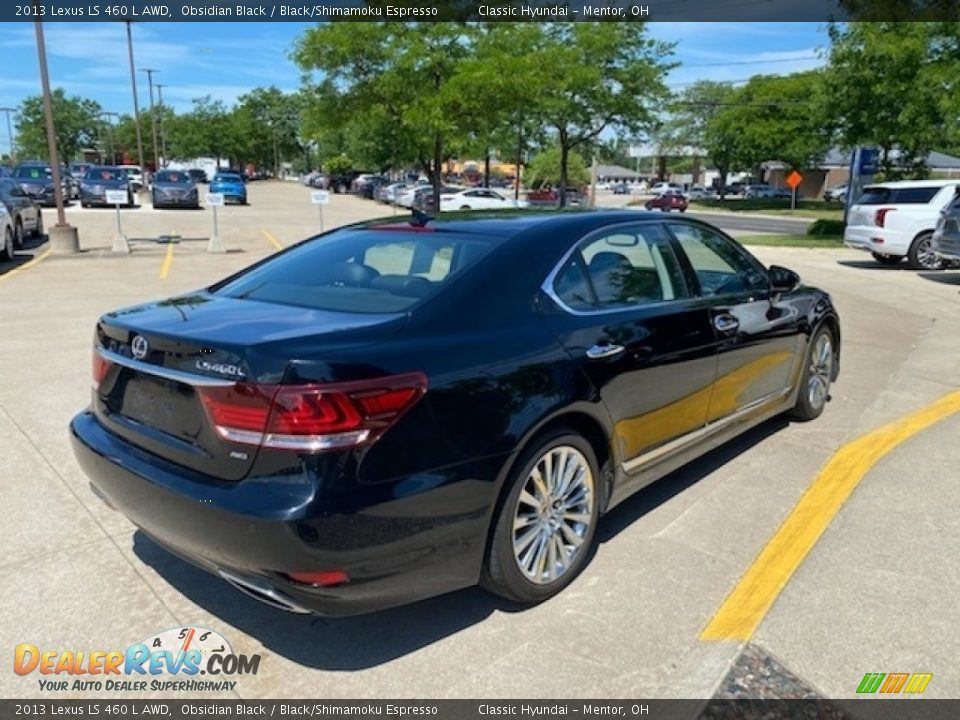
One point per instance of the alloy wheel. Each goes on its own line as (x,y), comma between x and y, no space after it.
(553,514)
(925,255)
(821,371)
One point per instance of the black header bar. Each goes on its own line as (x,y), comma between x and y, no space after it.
(475,10)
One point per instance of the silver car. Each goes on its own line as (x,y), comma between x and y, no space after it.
(946,237)
(8,249)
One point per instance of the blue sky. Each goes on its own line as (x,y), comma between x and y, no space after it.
(225,60)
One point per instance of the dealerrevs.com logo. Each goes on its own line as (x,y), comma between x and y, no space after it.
(189,659)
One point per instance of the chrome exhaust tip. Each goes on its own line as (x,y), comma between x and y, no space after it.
(263,591)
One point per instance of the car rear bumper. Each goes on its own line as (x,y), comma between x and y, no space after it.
(875,239)
(397,550)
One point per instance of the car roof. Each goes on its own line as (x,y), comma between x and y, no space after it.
(897,184)
(510,224)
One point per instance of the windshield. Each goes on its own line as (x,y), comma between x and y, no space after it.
(105,174)
(225,177)
(361,270)
(35,172)
(170,176)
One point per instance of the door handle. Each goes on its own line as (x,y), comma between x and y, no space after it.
(597,352)
(726,323)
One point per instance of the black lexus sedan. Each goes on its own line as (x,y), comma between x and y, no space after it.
(392,411)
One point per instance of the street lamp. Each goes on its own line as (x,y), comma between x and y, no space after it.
(63,237)
(163,135)
(9,110)
(136,103)
(153,117)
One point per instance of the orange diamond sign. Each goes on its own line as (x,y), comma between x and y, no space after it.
(794,179)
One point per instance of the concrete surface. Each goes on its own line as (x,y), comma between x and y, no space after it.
(876,594)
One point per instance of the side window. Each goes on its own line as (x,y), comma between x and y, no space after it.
(620,269)
(720,266)
(915,195)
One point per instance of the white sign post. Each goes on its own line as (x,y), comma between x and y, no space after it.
(320,198)
(118,198)
(215,200)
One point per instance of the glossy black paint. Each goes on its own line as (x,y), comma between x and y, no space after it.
(408,516)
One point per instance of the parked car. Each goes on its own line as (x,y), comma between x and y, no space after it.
(231,185)
(478,199)
(735,188)
(667,201)
(661,187)
(8,245)
(343,182)
(897,219)
(621,189)
(78,170)
(326,433)
(837,193)
(5,171)
(174,188)
(369,187)
(388,193)
(25,214)
(93,189)
(135,175)
(756,191)
(946,237)
(406,196)
(36,179)
(423,197)
(198,176)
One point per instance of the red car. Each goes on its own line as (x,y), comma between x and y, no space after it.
(667,201)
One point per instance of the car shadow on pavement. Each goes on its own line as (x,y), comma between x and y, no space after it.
(873,265)
(23,254)
(365,641)
(945,277)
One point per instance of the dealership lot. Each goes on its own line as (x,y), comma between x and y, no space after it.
(876,594)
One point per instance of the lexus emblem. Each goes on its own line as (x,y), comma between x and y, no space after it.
(139,347)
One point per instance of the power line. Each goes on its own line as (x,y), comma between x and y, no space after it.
(752,62)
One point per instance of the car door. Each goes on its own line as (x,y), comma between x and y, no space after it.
(759,337)
(646,344)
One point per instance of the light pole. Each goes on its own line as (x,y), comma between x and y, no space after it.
(9,110)
(63,237)
(153,117)
(113,154)
(163,135)
(136,103)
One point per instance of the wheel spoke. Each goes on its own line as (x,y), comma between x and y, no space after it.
(527,499)
(552,557)
(522,521)
(570,536)
(522,543)
(539,484)
(577,517)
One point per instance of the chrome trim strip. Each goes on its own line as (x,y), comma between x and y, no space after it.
(716,426)
(166,373)
(264,592)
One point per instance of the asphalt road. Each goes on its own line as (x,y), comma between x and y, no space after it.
(877,593)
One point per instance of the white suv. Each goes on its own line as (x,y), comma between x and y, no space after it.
(896,219)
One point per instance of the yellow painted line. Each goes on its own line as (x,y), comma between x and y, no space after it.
(27,264)
(167,262)
(747,604)
(272,239)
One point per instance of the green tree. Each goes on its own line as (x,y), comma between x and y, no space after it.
(545,169)
(887,84)
(275,120)
(75,120)
(592,77)
(391,78)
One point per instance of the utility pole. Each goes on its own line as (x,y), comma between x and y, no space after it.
(163,135)
(153,117)
(63,237)
(9,110)
(136,103)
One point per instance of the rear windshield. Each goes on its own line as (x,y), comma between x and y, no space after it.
(361,270)
(225,177)
(902,196)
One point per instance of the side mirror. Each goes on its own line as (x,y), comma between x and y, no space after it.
(782,279)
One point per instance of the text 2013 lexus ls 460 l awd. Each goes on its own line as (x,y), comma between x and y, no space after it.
(389,412)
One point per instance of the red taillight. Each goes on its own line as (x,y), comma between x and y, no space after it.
(325,578)
(100,367)
(881,215)
(311,418)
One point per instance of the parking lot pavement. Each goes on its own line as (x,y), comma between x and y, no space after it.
(876,594)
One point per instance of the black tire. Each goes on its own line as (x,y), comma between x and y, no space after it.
(340,189)
(502,574)
(464,207)
(38,230)
(809,404)
(7,252)
(889,260)
(18,235)
(921,256)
